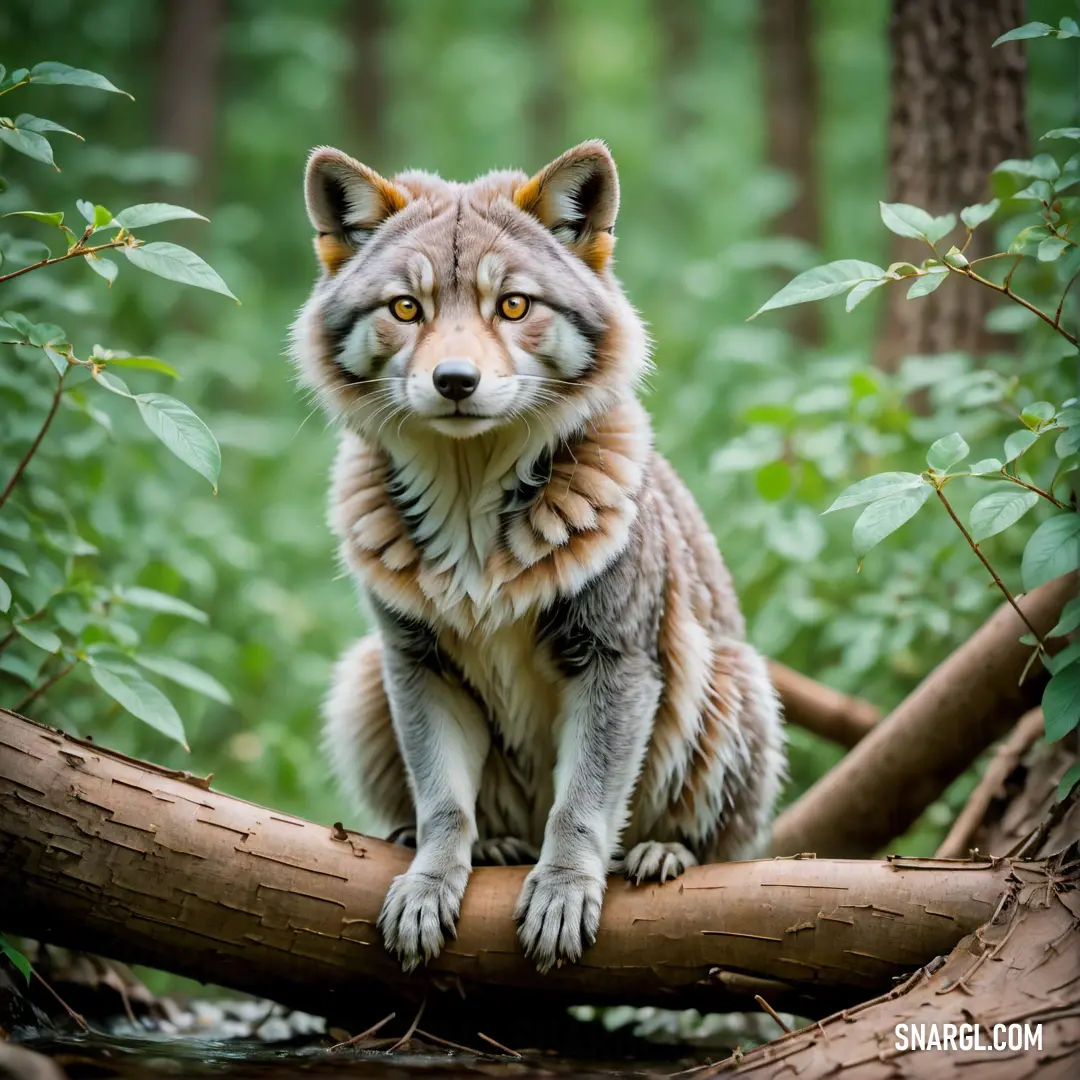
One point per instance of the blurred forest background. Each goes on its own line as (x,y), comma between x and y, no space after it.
(753,140)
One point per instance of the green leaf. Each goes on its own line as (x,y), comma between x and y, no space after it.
(1069,27)
(1063,133)
(39,636)
(1038,412)
(877,487)
(861,292)
(973,216)
(20,963)
(885,516)
(1061,702)
(5,595)
(106,268)
(58,361)
(151,600)
(946,452)
(1052,549)
(1068,782)
(1069,621)
(144,214)
(51,73)
(28,142)
(1028,30)
(183,433)
(1040,167)
(141,698)
(185,674)
(113,383)
(906,220)
(40,124)
(144,363)
(823,281)
(1060,661)
(927,283)
(1052,248)
(13,562)
(1017,443)
(56,219)
(998,510)
(986,466)
(177,264)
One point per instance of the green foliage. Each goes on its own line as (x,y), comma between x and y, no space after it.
(65,599)
(16,958)
(1028,474)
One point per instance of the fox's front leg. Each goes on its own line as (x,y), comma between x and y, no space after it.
(608,715)
(444,740)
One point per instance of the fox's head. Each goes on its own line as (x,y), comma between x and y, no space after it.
(449,310)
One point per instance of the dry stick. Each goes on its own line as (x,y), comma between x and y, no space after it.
(993,573)
(36,443)
(958,843)
(450,1043)
(970,700)
(365,1034)
(412,1027)
(772,1012)
(67,1008)
(498,1045)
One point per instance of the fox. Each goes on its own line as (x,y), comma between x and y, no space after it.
(558,673)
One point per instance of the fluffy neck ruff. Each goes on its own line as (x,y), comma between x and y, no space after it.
(477,533)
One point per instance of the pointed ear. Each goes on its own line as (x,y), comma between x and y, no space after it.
(346,202)
(577,198)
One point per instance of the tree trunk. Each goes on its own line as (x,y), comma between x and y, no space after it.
(365,103)
(547,104)
(188,88)
(149,866)
(957,111)
(973,698)
(791,110)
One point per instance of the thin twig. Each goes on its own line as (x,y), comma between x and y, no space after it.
(773,1013)
(36,443)
(67,1008)
(366,1034)
(993,573)
(498,1045)
(46,685)
(1006,290)
(1057,316)
(449,1043)
(1031,487)
(75,252)
(412,1027)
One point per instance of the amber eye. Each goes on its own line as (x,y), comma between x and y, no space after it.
(405,309)
(514,307)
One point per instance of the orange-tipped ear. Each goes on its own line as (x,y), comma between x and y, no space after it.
(577,198)
(346,202)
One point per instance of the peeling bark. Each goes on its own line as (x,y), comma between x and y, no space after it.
(150,866)
(974,697)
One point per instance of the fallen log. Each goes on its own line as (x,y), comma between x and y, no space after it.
(971,699)
(816,707)
(149,866)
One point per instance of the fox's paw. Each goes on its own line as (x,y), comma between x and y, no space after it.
(657,861)
(420,911)
(503,851)
(558,914)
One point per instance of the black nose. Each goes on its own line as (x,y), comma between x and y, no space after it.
(456,379)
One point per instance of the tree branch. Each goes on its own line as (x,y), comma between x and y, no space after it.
(151,867)
(971,699)
(821,709)
(36,443)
